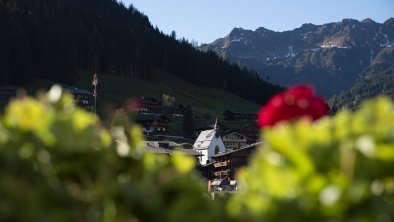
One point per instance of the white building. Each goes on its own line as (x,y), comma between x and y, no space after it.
(208,143)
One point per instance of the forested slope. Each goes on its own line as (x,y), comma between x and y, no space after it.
(370,87)
(54,39)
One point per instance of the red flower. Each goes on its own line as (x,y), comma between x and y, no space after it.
(298,101)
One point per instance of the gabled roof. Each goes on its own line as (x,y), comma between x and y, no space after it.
(152,149)
(237,112)
(149,117)
(251,146)
(190,152)
(76,90)
(204,139)
(237,134)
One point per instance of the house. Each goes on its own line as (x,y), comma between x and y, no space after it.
(235,141)
(149,106)
(153,124)
(152,106)
(220,185)
(227,163)
(250,131)
(82,97)
(232,115)
(168,147)
(178,112)
(157,150)
(208,143)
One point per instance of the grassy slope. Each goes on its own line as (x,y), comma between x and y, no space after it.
(203,101)
(115,89)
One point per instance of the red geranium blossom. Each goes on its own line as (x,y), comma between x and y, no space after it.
(295,102)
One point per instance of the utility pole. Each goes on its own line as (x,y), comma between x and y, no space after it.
(94,83)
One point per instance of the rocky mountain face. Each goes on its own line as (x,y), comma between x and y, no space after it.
(331,56)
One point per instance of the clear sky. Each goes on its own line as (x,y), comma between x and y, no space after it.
(207,20)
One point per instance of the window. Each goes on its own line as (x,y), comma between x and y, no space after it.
(217,149)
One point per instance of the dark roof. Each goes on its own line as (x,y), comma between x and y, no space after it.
(150,99)
(190,152)
(75,90)
(169,150)
(237,150)
(236,133)
(237,112)
(152,149)
(149,117)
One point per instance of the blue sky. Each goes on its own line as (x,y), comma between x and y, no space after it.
(207,20)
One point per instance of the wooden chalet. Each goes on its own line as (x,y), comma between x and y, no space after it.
(232,115)
(178,112)
(153,124)
(150,106)
(82,97)
(234,140)
(227,163)
(168,147)
(251,131)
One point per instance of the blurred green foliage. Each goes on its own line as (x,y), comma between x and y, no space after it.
(339,168)
(57,163)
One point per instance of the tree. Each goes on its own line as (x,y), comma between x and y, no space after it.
(188,121)
(173,35)
(168,100)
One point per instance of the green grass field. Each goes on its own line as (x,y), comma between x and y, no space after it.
(202,100)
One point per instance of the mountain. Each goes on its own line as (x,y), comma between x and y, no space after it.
(57,39)
(378,84)
(331,56)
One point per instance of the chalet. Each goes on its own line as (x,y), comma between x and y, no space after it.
(208,143)
(82,97)
(166,144)
(219,185)
(232,115)
(235,141)
(157,150)
(251,131)
(153,124)
(168,147)
(178,112)
(149,106)
(227,163)
(186,145)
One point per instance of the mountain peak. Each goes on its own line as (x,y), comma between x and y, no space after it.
(389,22)
(368,20)
(262,30)
(329,56)
(306,27)
(237,29)
(349,21)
